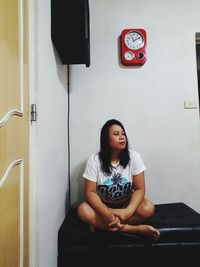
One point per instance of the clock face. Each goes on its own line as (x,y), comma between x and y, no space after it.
(134,40)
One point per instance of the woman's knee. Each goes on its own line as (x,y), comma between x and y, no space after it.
(85,212)
(147,209)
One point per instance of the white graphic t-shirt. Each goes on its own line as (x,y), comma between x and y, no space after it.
(117,187)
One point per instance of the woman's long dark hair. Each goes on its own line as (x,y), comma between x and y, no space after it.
(105,154)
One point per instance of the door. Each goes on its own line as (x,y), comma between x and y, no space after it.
(14,132)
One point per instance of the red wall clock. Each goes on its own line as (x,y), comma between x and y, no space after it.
(133,47)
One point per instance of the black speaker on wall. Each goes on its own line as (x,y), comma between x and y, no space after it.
(70,30)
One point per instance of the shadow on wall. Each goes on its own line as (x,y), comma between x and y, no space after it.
(77,181)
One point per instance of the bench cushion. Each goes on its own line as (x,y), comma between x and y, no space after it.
(177,223)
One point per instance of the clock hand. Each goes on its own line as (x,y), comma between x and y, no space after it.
(136,39)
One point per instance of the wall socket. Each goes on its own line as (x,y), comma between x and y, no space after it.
(190,104)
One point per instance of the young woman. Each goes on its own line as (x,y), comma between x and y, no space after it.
(115,186)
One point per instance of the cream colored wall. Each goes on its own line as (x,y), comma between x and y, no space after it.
(49,184)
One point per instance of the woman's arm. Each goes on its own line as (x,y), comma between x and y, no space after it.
(138,192)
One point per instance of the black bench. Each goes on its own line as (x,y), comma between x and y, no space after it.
(179,241)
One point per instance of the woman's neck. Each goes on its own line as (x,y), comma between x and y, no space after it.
(114,156)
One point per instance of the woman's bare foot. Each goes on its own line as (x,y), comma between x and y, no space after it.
(142,229)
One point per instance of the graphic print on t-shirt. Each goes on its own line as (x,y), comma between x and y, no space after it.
(115,189)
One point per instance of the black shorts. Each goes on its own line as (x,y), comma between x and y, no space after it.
(117,205)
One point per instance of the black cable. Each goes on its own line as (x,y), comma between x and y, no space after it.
(68,136)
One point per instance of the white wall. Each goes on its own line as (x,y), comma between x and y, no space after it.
(48,181)
(148,100)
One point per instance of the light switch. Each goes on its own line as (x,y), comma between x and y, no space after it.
(189,104)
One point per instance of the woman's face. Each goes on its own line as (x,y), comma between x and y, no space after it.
(117,137)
